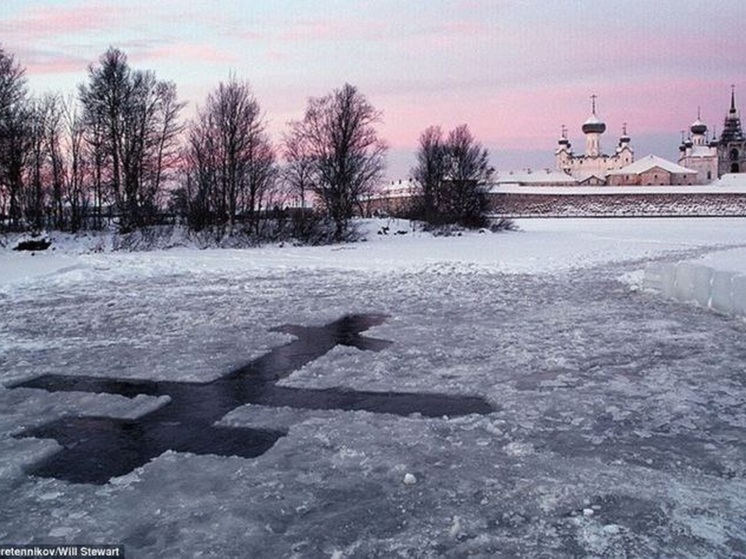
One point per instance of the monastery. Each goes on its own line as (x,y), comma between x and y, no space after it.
(709,177)
(701,161)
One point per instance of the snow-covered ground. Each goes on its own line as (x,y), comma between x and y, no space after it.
(541,246)
(618,422)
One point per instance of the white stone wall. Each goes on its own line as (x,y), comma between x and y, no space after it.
(592,145)
(600,165)
(705,165)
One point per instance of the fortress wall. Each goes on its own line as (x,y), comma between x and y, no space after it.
(617,205)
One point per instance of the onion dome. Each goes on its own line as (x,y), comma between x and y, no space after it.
(698,128)
(624,138)
(594,125)
(563,141)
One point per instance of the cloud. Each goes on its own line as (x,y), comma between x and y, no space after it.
(68,38)
(54,40)
(42,61)
(42,22)
(190,52)
(315,30)
(530,117)
(330,29)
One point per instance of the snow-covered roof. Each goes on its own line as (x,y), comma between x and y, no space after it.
(650,162)
(584,176)
(402,188)
(593,119)
(542,176)
(731,181)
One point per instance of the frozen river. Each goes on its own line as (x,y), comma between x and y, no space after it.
(615,425)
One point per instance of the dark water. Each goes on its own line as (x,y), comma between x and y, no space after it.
(96,449)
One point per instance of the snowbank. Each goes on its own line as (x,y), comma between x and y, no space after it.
(716,282)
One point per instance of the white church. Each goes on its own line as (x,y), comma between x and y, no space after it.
(595,168)
(702,159)
(592,167)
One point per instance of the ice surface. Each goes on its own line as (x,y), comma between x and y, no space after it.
(738,293)
(698,281)
(619,419)
(722,291)
(733,259)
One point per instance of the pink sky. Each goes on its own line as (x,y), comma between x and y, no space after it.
(515,71)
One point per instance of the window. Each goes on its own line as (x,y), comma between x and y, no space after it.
(734,154)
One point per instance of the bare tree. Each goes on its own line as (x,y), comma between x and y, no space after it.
(94,151)
(429,174)
(167,138)
(451,175)
(468,173)
(104,105)
(14,135)
(43,184)
(34,195)
(54,146)
(298,176)
(133,123)
(230,160)
(347,154)
(77,176)
(298,171)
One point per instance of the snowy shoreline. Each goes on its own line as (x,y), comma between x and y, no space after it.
(540,246)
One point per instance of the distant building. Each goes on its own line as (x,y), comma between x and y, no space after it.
(652,171)
(731,147)
(395,198)
(702,161)
(591,167)
(543,177)
(719,156)
(698,154)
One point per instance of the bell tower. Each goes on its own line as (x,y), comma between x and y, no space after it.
(732,145)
